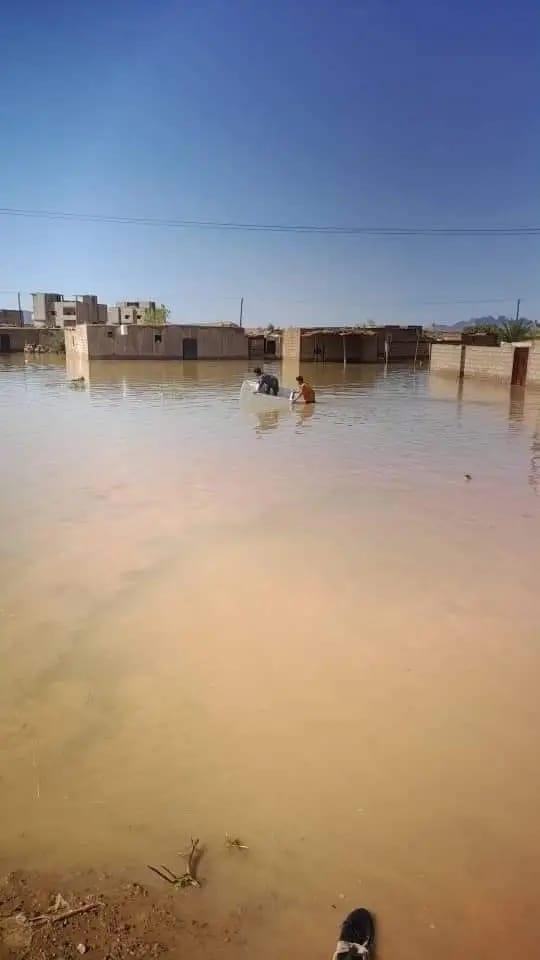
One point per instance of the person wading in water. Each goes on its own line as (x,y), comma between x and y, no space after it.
(305,392)
(267,382)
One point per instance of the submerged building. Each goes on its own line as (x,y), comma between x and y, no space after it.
(391,344)
(171,341)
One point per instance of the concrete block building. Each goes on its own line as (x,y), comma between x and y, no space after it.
(131,311)
(54,310)
(165,342)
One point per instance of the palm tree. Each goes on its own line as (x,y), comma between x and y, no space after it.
(512,330)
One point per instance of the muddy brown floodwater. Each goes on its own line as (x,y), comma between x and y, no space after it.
(306,629)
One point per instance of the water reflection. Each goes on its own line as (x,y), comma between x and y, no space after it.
(516,407)
(534,475)
(266,421)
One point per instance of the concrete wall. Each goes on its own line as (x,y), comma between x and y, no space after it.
(404,343)
(361,348)
(330,345)
(290,343)
(156,342)
(533,370)
(490,362)
(11,318)
(18,337)
(446,357)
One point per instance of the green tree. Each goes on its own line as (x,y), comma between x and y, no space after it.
(157,316)
(521,329)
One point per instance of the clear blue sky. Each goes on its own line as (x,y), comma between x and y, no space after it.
(381,112)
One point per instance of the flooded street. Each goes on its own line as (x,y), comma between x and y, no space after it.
(307,629)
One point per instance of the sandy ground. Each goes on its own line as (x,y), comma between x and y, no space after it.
(129,920)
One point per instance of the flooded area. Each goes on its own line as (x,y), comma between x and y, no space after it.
(307,629)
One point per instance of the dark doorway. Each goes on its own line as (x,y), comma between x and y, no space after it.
(519,366)
(189,348)
(5,343)
(270,348)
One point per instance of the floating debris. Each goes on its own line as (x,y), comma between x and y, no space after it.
(189,878)
(235,842)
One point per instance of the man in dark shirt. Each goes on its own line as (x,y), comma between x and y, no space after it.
(267,382)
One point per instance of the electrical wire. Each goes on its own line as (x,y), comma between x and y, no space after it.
(374,231)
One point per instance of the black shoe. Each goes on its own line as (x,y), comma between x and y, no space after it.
(356,937)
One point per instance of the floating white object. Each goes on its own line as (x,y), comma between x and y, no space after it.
(264,401)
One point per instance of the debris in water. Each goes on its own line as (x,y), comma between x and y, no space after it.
(236,842)
(468,476)
(48,918)
(59,903)
(189,878)
(81,948)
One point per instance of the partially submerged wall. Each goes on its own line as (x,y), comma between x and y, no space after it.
(446,357)
(490,362)
(495,363)
(290,343)
(309,344)
(168,342)
(15,339)
(533,369)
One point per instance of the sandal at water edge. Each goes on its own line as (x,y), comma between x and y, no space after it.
(356,937)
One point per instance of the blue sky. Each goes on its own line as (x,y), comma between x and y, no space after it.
(380,113)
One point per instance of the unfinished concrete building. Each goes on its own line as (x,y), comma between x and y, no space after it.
(54,310)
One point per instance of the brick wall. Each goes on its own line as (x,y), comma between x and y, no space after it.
(533,369)
(490,362)
(493,362)
(446,357)
(290,344)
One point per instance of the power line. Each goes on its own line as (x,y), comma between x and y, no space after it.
(373,231)
(439,303)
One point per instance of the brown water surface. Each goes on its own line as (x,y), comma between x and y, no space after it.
(307,629)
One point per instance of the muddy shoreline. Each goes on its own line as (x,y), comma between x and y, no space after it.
(124,919)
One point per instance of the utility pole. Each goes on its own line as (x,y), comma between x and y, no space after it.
(517,309)
(20,311)
(241,310)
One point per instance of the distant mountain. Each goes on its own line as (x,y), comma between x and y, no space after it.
(461,324)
